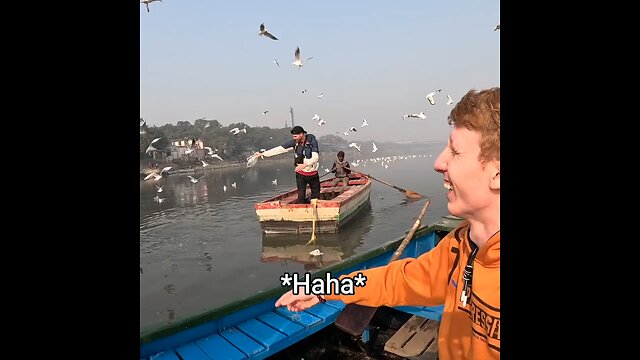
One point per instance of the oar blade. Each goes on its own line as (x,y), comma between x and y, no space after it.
(412,194)
(355,318)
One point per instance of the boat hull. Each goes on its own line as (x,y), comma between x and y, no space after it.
(335,208)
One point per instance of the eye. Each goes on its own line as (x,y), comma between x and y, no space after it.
(454,152)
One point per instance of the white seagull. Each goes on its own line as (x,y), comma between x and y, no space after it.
(375,148)
(316,252)
(157,176)
(364,123)
(430,96)
(354,145)
(275,182)
(297,61)
(151,148)
(236,130)
(217,157)
(264,32)
(264,113)
(421,116)
(194,180)
(497,27)
(449,100)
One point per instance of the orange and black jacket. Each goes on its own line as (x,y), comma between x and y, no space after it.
(468,330)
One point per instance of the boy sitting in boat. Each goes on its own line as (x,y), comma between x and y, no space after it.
(341,169)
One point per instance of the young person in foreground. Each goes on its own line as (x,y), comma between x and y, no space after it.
(463,270)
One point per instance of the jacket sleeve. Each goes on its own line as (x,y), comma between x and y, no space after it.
(334,168)
(276,151)
(410,281)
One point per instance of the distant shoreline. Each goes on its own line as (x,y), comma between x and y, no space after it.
(145,170)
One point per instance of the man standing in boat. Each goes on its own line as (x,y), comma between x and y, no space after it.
(306,161)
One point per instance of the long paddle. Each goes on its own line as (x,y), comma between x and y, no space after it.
(355,318)
(408,193)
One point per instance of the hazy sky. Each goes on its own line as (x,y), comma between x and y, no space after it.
(371,59)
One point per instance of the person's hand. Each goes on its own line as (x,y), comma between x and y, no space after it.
(258,154)
(300,167)
(298,302)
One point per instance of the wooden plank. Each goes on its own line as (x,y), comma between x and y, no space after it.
(218,348)
(165,355)
(243,342)
(261,332)
(424,338)
(417,337)
(284,325)
(302,318)
(323,311)
(191,351)
(336,304)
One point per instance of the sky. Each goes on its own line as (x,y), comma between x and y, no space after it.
(371,59)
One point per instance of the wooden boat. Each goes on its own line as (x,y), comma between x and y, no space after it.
(253,328)
(336,206)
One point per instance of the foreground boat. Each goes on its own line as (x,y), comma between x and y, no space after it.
(253,328)
(336,206)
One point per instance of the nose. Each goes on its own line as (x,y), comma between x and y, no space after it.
(440,165)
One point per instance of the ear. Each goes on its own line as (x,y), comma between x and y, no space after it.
(494,172)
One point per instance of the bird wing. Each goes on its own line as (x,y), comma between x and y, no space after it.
(269,35)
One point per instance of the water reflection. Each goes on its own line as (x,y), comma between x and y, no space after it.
(334,247)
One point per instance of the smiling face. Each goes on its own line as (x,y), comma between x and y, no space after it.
(472,185)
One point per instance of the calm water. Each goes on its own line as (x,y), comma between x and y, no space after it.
(202,247)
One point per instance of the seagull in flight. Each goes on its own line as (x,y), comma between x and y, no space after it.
(276,62)
(236,130)
(275,182)
(264,32)
(147,2)
(497,27)
(264,113)
(421,116)
(217,157)
(354,145)
(194,180)
(430,96)
(364,123)
(449,100)
(375,148)
(151,148)
(298,61)
(157,176)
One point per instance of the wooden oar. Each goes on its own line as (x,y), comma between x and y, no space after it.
(355,318)
(408,193)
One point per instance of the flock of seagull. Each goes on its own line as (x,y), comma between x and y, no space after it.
(298,63)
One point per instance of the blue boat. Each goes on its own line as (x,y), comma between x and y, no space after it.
(253,328)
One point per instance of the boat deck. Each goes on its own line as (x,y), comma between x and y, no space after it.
(260,337)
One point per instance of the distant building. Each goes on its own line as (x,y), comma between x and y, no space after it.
(179,147)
